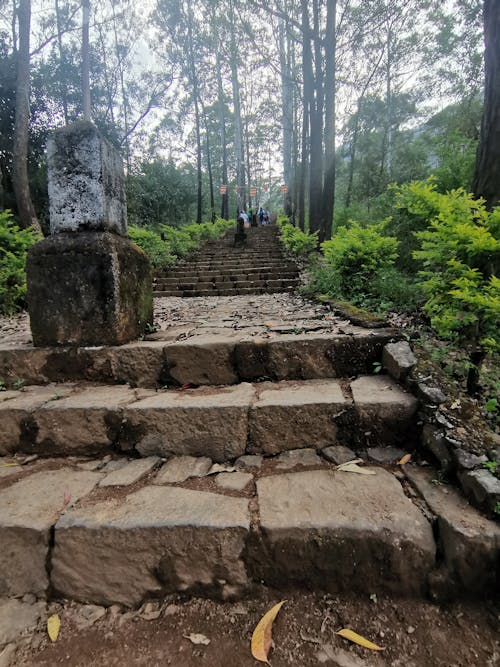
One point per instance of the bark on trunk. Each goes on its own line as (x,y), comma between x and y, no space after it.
(86,59)
(25,208)
(330,91)
(486,182)
(222,123)
(238,133)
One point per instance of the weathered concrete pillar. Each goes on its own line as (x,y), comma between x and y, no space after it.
(88,284)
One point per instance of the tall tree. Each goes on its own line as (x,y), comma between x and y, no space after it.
(487,175)
(25,208)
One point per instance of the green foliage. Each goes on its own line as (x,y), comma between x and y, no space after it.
(460,251)
(492,466)
(164,245)
(295,240)
(355,256)
(14,245)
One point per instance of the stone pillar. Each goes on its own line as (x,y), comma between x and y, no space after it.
(88,284)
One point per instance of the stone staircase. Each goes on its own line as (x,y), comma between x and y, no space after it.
(222,269)
(205,465)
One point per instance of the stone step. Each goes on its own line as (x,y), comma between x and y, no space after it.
(219,422)
(227,279)
(229,358)
(189,285)
(256,270)
(136,536)
(222,292)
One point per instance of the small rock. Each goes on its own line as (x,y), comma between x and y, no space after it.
(17,618)
(87,615)
(111,466)
(432,395)
(466,460)
(180,468)
(249,461)
(410,630)
(398,359)
(236,481)
(90,465)
(433,439)
(150,611)
(481,486)
(221,467)
(385,454)
(338,454)
(295,457)
(171,609)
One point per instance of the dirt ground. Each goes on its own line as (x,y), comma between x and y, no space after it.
(414,634)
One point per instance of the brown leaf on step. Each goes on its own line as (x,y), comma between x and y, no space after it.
(67,497)
(262,635)
(358,639)
(404,460)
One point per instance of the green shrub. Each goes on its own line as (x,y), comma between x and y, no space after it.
(14,245)
(355,256)
(164,245)
(460,254)
(296,241)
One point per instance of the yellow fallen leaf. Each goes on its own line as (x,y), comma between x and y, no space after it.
(53,627)
(9,465)
(353,467)
(358,639)
(261,638)
(404,460)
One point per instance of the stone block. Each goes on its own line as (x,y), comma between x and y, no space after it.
(338,454)
(86,423)
(180,468)
(86,182)
(233,481)
(90,288)
(202,360)
(155,541)
(18,618)
(327,529)
(16,416)
(470,543)
(386,414)
(298,457)
(294,415)
(398,359)
(28,510)
(482,487)
(209,421)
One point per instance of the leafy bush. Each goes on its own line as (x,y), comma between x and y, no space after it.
(295,240)
(166,244)
(14,246)
(460,253)
(356,255)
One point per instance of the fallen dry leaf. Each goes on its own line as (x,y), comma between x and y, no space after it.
(353,467)
(404,460)
(346,463)
(358,639)
(67,497)
(261,638)
(9,465)
(196,638)
(53,627)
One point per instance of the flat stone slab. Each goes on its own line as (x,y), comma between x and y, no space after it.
(249,461)
(469,542)
(132,472)
(340,531)
(293,415)
(86,422)
(159,539)
(233,481)
(298,457)
(28,509)
(209,422)
(385,454)
(180,468)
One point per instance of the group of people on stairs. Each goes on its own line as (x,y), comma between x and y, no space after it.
(262,217)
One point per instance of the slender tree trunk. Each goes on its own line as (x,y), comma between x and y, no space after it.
(238,135)
(287,113)
(486,182)
(222,124)
(209,169)
(86,59)
(25,208)
(304,163)
(194,84)
(62,61)
(330,94)
(121,74)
